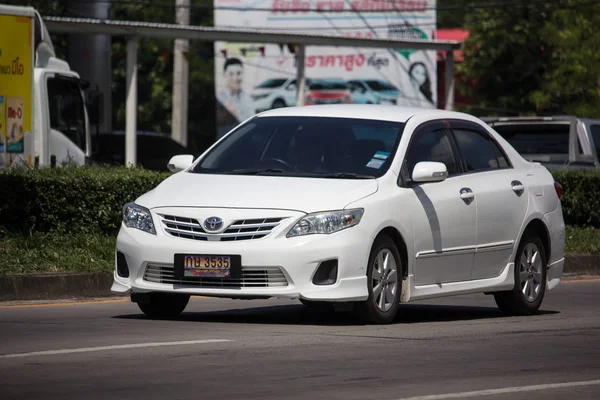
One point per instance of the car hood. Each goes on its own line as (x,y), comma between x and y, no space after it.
(307,195)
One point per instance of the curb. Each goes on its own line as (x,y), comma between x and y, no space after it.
(53,286)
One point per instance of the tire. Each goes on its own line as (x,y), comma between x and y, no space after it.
(522,300)
(372,310)
(164,305)
(278,103)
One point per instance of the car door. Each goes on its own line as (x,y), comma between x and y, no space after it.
(443,221)
(501,195)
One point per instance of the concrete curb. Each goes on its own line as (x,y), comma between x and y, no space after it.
(55,286)
(90,285)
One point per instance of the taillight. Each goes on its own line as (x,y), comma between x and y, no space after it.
(559,190)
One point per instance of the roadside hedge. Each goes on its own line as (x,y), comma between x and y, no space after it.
(75,200)
(581,201)
(70,199)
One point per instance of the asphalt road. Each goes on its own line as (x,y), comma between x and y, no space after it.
(276,349)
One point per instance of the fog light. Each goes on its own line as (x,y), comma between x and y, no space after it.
(326,273)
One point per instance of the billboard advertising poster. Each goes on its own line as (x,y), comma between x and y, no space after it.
(253,77)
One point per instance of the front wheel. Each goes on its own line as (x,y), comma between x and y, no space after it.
(384,282)
(530,279)
(164,305)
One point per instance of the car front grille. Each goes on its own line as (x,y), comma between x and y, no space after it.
(246,229)
(252,277)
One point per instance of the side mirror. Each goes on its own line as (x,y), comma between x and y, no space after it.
(180,162)
(428,171)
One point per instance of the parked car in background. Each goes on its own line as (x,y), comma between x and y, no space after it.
(368,205)
(274,93)
(556,141)
(327,91)
(153,149)
(373,91)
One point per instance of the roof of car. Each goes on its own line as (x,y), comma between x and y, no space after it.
(363,111)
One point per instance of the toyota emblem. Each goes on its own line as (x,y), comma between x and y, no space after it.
(213,224)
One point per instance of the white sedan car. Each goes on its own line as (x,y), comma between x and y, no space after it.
(370,205)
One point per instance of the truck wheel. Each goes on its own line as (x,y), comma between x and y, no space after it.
(164,305)
(384,282)
(530,279)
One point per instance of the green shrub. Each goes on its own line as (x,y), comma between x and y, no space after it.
(581,201)
(75,200)
(72,199)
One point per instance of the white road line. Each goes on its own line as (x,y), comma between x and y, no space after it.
(115,347)
(492,392)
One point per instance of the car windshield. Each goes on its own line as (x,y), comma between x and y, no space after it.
(380,85)
(328,85)
(272,84)
(324,147)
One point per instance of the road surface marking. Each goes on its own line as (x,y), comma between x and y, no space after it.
(492,392)
(115,347)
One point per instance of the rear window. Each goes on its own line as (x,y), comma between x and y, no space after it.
(537,139)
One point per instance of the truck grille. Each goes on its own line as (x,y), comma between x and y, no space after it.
(246,229)
(254,277)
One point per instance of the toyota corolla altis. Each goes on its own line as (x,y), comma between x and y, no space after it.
(365,204)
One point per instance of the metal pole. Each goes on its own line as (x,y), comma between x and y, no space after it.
(301,54)
(179,117)
(131,106)
(449,80)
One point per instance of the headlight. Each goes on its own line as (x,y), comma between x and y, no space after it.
(136,216)
(326,222)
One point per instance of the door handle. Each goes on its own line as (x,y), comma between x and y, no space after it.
(467,195)
(517,187)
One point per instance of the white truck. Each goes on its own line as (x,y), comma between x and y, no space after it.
(43,114)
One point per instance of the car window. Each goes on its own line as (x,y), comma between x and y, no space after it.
(536,138)
(272,83)
(479,151)
(310,146)
(433,145)
(596,138)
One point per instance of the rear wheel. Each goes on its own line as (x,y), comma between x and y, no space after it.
(163,305)
(383,282)
(530,279)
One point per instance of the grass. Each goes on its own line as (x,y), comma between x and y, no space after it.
(21,254)
(94,253)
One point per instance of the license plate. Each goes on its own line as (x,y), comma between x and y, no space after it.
(207,266)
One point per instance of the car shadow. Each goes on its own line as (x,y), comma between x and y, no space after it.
(301,315)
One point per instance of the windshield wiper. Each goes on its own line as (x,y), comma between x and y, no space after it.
(255,171)
(347,175)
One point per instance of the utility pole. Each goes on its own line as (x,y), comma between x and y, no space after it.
(180,77)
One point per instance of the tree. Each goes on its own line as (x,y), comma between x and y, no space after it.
(506,54)
(540,57)
(573,84)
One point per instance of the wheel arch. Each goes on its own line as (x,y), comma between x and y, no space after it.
(398,239)
(538,226)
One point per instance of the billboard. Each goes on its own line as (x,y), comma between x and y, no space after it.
(253,77)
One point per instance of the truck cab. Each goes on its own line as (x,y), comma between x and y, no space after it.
(558,142)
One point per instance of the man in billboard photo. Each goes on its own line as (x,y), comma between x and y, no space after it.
(233,96)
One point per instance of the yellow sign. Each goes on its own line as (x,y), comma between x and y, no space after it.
(16,68)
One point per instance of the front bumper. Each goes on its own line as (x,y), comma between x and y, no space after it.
(292,261)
